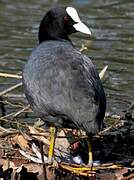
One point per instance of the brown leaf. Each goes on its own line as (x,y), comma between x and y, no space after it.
(18,159)
(21,141)
(119,174)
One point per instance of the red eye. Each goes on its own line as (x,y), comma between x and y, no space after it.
(66,18)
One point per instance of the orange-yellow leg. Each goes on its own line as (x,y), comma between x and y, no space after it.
(53,132)
(90,155)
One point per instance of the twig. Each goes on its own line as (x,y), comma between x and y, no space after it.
(10,89)
(8,115)
(11,104)
(21,111)
(5,132)
(83,47)
(103,71)
(10,75)
(14,95)
(25,125)
(131,107)
(109,128)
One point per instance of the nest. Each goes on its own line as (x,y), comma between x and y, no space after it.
(24,147)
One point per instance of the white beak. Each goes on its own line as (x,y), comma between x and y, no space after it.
(81,27)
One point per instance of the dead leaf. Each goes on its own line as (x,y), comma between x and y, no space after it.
(21,141)
(38,135)
(18,160)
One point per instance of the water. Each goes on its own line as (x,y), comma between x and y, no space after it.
(112,44)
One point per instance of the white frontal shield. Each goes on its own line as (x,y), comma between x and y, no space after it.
(79,26)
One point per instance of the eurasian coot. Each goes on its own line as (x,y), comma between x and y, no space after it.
(61,84)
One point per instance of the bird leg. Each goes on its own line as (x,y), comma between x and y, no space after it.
(90,155)
(53,132)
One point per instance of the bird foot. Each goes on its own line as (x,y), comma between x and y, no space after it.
(49,161)
(90,163)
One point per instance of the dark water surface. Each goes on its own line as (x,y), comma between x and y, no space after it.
(112,26)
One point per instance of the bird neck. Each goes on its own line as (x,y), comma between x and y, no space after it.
(51,33)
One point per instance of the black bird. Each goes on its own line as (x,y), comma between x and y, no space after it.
(61,84)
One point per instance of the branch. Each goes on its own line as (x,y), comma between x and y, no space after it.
(10,75)
(10,89)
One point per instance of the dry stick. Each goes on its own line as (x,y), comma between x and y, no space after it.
(131,107)
(10,75)
(109,128)
(11,104)
(5,132)
(15,115)
(83,47)
(103,71)
(14,122)
(14,95)
(10,89)
(21,111)
(8,115)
